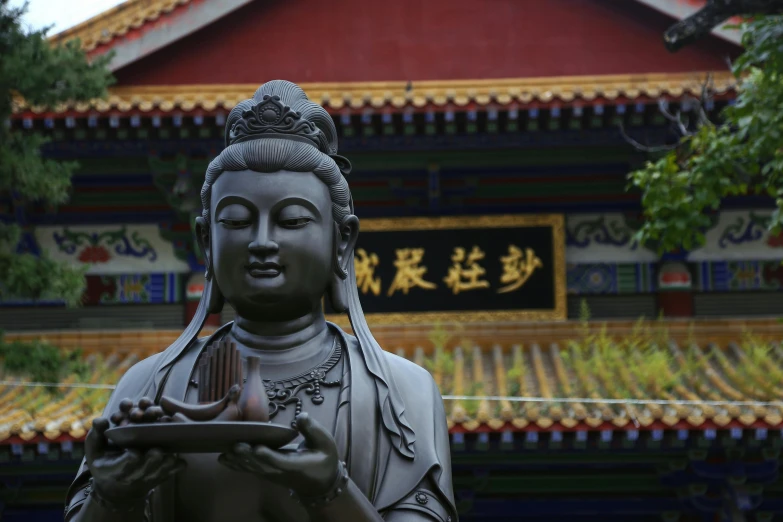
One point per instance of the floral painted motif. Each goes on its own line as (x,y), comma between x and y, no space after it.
(600,231)
(744,231)
(610,278)
(605,238)
(723,276)
(94,254)
(115,249)
(775,240)
(738,236)
(134,288)
(94,250)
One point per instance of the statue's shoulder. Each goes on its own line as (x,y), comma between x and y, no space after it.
(140,370)
(419,391)
(408,373)
(132,382)
(405,372)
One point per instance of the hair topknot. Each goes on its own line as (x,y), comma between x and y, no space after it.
(293,96)
(274,154)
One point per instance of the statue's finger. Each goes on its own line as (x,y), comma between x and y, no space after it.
(165,467)
(315,435)
(96,443)
(151,462)
(276,460)
(242,450)
(229,461)
(152,414)
(154,456)
(130,460)
(136,415)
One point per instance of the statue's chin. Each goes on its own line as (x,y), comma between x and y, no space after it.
(267,306)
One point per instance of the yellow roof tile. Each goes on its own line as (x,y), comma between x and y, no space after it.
(597,383)
(117,21)
(433,94)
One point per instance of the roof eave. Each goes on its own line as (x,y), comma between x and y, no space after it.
(680,10)
(425,95)
(133,30)
(195,17)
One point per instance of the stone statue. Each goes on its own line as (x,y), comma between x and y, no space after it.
(278,233)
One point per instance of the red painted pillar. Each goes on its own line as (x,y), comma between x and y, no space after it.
(675,290)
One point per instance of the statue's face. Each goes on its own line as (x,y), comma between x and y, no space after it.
(272,242)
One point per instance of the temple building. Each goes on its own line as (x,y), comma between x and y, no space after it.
(490,177)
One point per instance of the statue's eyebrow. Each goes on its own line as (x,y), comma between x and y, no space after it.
(230,200)
(296,200)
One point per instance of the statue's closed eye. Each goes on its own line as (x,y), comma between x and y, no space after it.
(295,222)
(234,223)
(294,216)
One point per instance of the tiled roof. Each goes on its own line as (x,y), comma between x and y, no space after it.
(117,21)
(572,388)
(416,95)
(528,388)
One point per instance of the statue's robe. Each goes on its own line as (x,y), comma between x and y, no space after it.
(388,479)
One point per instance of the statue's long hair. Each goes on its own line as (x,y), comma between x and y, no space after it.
(272,155)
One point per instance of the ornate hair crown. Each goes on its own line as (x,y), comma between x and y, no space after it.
(270,118)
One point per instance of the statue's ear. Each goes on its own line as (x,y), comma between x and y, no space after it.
(346,234)
(212,291)
(203,239)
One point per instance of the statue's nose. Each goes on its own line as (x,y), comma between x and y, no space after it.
(263,243)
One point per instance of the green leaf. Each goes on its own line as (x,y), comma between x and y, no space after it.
(43,75)
(743,149)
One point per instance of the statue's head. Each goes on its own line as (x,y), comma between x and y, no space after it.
(277,230)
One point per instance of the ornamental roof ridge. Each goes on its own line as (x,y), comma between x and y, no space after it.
(117,21)
(417,95)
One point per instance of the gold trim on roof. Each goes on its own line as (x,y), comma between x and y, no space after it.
(117,21)
(417,95)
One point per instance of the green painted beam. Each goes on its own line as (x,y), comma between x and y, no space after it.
(33,496)
(548,189)
(372,194)
(414,160)
(564,484)
(109,166)
(38,468)
(119,199)
(561,458)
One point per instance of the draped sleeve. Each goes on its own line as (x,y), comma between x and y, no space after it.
(382,473)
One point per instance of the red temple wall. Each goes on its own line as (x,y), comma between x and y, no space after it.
(357,40)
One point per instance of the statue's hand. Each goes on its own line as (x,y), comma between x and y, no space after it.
(125,477)
(143,412)
(310,471)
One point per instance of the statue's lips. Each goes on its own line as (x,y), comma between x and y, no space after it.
(264,269)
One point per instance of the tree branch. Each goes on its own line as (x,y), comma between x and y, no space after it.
(644,148)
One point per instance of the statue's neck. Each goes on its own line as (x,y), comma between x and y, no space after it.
(282,342)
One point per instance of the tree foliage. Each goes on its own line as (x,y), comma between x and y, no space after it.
(43,75)
(742,154)
(40,361)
